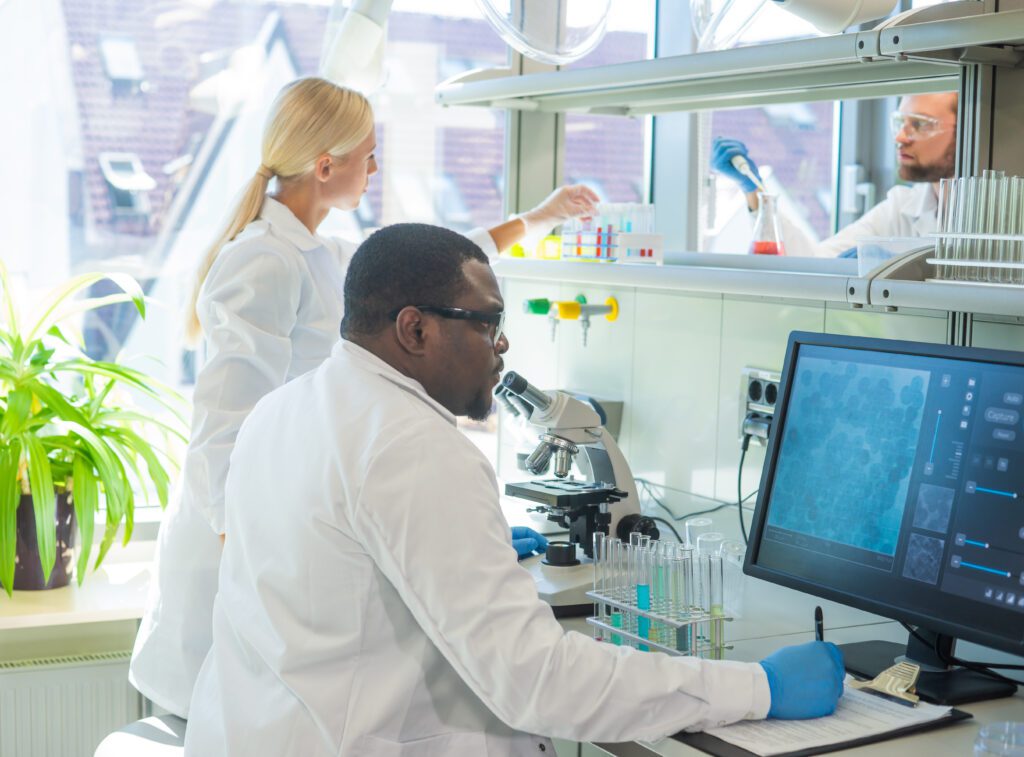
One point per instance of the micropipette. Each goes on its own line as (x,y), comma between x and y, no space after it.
(740,164)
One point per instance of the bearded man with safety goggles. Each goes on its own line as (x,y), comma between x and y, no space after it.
(924,129)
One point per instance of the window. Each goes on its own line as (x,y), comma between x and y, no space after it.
(149,124)
(122,65)
(128,182)
(793,146)
(609,153)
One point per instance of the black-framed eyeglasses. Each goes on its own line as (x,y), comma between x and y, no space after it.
(496,321)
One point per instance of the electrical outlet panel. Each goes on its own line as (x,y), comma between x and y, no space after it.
(760,392)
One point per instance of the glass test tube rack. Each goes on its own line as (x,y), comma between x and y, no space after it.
(658,597)
(617,232)
(980,235)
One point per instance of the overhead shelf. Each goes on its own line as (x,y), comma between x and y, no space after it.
(913,57)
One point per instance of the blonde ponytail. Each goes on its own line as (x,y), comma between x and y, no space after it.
(309,117)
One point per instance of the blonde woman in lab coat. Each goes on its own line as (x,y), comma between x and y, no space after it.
(267,303)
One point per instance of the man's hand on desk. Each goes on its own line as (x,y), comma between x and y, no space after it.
(805,680)
(527,541)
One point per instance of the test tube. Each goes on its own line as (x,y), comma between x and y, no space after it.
(943,244)
(643,590)
(684,587)
(631,557)
(703,601)
(960,225)
(1002,275)
(600,567)
(710,543)
(1016,203)
(733,555)
(618,553)
(716,600)
(695,527)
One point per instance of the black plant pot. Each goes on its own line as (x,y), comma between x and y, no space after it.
(28,573)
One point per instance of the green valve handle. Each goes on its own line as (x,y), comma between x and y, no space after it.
(538,306)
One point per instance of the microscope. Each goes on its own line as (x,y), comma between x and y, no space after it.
(604,501)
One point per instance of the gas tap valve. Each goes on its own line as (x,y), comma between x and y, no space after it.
(572,310)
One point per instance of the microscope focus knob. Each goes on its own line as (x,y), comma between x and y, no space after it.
(637,523)
(561,554)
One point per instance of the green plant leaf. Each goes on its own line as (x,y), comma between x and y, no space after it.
(41,482)
(56,311)
(10,498)
(85,495)
(149,386)
(110,472)
(57,402)
(130,416)
(157,472)
(108,539)
(19,407)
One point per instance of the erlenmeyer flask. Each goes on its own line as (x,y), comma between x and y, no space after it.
(767,239)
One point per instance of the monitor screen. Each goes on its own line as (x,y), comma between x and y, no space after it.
(894,482)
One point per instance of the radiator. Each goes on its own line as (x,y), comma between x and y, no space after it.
(64,706)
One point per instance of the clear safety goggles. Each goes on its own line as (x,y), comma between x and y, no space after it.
(495,322)
(915,125)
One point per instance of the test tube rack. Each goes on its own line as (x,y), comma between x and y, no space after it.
(980,235)
(622,232)
(693,632)
(657,595)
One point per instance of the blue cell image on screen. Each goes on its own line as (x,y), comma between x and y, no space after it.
(848,450)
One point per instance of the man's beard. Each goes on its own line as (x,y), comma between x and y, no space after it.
(943,169)
(480,407)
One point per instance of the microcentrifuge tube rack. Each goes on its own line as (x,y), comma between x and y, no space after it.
(621,232)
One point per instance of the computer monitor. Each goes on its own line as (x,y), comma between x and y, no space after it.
(894,483)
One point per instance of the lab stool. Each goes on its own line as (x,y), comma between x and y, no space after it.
(157,736)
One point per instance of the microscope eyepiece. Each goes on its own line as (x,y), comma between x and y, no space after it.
(517,385)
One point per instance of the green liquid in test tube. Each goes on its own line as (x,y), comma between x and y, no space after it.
(643,589)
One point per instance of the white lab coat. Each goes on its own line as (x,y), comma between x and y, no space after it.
(371,604)
(270,310)
(907,211)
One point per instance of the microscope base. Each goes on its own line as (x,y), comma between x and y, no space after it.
(564,588)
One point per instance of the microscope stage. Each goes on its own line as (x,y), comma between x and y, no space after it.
(565,493)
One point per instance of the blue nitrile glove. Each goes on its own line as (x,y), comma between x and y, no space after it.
(722,153)
(805,680)
(527,541)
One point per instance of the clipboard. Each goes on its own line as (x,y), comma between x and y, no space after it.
(714,745)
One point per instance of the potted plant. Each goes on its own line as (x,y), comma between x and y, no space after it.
(72,436)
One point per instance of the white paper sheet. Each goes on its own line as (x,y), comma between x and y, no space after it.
(859,714)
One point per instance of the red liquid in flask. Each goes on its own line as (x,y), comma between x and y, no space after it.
(766,248)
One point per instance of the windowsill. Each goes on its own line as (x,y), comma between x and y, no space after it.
(117,591)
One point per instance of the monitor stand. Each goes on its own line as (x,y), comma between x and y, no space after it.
(866,659)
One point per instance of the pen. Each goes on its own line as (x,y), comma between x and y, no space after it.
(819,624)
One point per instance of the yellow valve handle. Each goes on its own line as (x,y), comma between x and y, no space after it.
(613,314)
(568,310)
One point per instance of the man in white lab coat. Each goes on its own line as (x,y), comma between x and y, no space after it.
(370,602)
(924,130)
